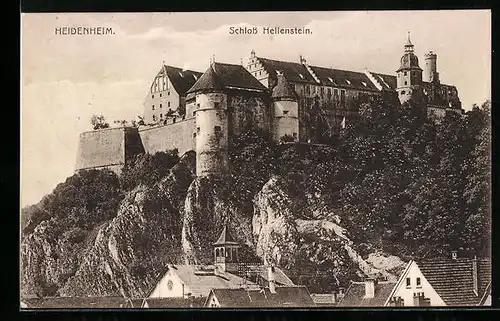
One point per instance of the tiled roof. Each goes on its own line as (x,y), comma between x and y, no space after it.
(320,298)
(387,82)
(343,78)
(76,303)
(355,295)
(453,281)
(283,89)
(221,76)
(200,283)
(159,303)
(182,80)
(226,238)
(294,72)
(296,296)
(261,270)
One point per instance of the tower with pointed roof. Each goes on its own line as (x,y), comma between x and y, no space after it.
(285,113)
(211,123)
(409,74)
(226,256)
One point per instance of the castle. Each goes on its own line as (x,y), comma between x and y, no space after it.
(200,112)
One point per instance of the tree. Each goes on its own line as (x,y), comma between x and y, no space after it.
(98,122)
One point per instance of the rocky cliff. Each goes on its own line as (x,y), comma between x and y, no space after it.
(176,220)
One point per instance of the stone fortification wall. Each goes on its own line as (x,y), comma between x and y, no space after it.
(248,111)
(178,135)
(110,147)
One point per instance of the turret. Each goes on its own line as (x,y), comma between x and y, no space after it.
(226,256)
(430,68)
(285,113)
(409,79)
(211,124)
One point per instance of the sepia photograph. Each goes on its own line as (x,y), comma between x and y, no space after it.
(333,159)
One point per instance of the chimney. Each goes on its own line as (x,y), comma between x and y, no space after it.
(454,255)
(475,278)
(270,277)
(370,288)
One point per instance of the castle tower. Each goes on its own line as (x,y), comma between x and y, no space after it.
(285,113)
(430,68)
(211,123)
(409,74)
(226,256)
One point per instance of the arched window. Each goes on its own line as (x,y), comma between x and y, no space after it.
(222,252)
(217,252)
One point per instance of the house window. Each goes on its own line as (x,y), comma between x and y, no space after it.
(168,104)
(406,83)
(419,285)
(406,73)
(154,118)
(153,107)
(307,89)
(152,96)
(161,116)
(168,93)
(216,250)
(160,105)
(160,95)
(408,282)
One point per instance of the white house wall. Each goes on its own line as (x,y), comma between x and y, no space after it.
(161,290)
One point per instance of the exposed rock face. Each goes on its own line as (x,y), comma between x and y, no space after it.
(176,221)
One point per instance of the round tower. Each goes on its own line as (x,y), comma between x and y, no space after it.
(211,124)
(285,111)
(430,69)
(409,74)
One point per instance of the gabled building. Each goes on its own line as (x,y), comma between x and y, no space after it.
(370,293)
(166,96)
(443,282)
(278,297)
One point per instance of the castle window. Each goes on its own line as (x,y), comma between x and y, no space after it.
(198,130)
(153,107)
(152,96)
(160,95)
(161,116)
(285,112)
(154,118)
(406,73)
(160,105)
(218,131)
(216,250)
(168,104)
(168,93)
(406,83)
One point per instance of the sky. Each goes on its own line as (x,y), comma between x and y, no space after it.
(67,78)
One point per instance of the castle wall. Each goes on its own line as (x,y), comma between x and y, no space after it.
(248,111)
(161,138)
(285,124)
(102,148)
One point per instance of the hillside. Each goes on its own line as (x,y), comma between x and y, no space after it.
(392,187)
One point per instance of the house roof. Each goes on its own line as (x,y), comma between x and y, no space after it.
(226,238)
(200,281)
(181,79)
(453,281)
(161,303)
(322,299)
(76,303)
(262,271)
(220,76)
(134,303)
(355,295)
(294,72)
(283,89)
(296,296)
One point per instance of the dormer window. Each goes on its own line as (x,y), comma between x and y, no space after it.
(331,80)
(347,81)
(195,78)
(301,76)
(364,84)
(180,74)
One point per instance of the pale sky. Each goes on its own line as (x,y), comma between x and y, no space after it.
(67,78)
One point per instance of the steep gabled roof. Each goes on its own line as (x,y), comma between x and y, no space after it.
(296,296)
(221,76)
(294,72)
(453,279)
(355,295)
(181,79)
(343,78)
(226,238)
